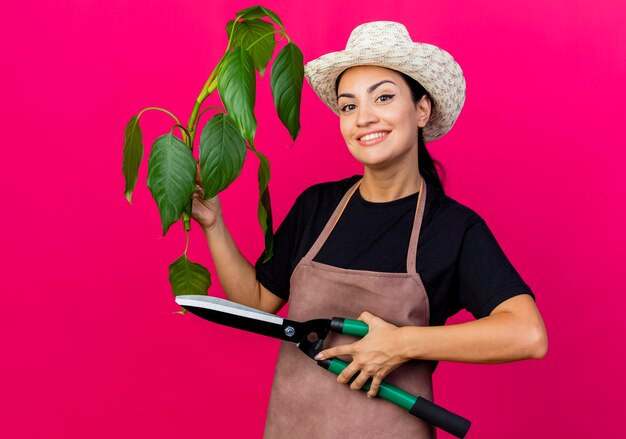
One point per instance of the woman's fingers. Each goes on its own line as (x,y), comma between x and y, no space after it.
(354,368)
(346,349)
(199,192)
(359,381)
(198,177)
(373,391)
(346,374)
(350,372)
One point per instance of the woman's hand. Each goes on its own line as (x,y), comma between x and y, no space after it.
(205,212)
(374,356)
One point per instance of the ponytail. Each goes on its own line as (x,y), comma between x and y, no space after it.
(428,166)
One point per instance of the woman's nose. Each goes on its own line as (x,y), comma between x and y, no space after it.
(366,115)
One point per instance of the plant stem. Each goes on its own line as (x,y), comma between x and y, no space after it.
(187,221)
(187,242)
(158,109)
(212,107)
(182,130)
(209,87)
(212,84)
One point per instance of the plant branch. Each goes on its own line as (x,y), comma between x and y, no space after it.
(210,85)
(212,107)
(207,86)
(158,109)
(182,131)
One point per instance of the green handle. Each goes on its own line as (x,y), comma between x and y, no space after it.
(386,391)
(416,405)
(349,326)
(355,327)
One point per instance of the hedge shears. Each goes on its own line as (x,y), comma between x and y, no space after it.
(309,336)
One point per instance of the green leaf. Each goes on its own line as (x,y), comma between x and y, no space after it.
(133,153)
(236,84)
(257,37)
(286,83)
(222,153)
(265,206)
(257,12)
(187,277)
(171,177)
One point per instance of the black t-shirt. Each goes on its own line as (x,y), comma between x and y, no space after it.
(458,258)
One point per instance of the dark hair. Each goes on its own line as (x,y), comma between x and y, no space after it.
(427,165)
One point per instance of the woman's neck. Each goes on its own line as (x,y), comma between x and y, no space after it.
(380,186)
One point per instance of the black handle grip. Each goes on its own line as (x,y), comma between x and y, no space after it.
(440,417)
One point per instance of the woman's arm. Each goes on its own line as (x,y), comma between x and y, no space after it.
(513,331)
(237,276)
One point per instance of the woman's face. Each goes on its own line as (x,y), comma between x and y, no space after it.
(378,118)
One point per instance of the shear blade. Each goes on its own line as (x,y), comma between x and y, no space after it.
(239,316)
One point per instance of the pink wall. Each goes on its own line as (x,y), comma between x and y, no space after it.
(89,342)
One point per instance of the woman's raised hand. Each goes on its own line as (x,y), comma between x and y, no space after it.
(205,212)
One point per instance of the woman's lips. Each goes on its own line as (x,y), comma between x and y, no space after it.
(375,141)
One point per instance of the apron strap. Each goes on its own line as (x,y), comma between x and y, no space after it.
(411,256)
(330,225)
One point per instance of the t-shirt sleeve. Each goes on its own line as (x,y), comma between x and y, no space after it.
(276,273)
(486,276)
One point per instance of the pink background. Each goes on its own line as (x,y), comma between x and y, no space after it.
(90,344)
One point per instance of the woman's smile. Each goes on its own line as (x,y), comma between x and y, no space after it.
(372,138)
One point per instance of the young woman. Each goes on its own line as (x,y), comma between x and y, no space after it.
(388,247)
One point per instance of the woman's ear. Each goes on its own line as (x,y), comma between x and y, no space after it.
(423,107)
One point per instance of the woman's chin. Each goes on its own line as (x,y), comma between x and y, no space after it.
(374,162)
(376,165)
(368,158)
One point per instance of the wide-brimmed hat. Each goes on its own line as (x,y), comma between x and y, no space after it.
(388,44)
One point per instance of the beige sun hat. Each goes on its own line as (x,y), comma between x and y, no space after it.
(388,44)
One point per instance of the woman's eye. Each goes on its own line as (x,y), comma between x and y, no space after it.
(347,107)
(385,97)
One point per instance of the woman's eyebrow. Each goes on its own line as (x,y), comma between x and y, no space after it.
(369,90)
